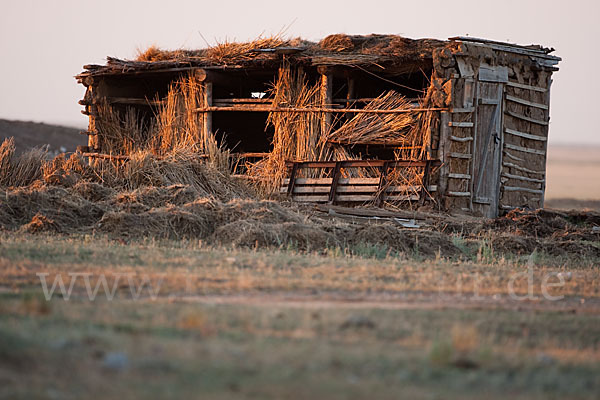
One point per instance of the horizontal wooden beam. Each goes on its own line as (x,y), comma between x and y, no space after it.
(460,124)
(459,194)
(397,145)
(528,119)
(526,102)
(526,87)
(461,139)
(524,149)
(363,163)
(459,176)
(461,155)
(522,178)
(243,100)
(525,135)
(519,168)
(522,189)
(259,108)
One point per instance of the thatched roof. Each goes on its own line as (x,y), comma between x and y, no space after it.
(338,49)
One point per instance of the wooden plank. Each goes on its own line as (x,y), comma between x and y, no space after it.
(512,156)
(352,198)
(459,176)
(526,87)
(459,194)
(524,118)
(461,155)
(311,199)
(519,168)
(455,124)
(352,189)
(525,135)
(461,139)
(488,73)
(524,149)
(526,102)
(522,189)
(465,68)
(360,163)
(522,178)
(327,181)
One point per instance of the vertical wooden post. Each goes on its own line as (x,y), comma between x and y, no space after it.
(336,177)
(292,182)
(208,101)
(326,100)
(444,151)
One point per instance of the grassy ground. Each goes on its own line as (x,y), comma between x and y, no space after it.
(217,323)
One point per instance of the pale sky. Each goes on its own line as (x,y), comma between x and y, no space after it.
(43,44)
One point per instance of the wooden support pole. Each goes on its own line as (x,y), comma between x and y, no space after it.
(444,151)
(334,183)
(208,97)
(326,101)
(263,108)
(292,182)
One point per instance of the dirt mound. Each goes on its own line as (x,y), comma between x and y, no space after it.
(263,211)
(544,223)
(402,240)
(250,233)
(166,222)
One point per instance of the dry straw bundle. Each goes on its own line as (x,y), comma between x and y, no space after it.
(378,128)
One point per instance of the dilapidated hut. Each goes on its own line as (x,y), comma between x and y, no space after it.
(462,124)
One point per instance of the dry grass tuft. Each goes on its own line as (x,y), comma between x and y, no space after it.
(232,52)
(20,170)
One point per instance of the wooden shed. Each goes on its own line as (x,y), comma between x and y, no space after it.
(460,124)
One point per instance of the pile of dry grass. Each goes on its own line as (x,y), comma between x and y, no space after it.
(226,52)
(378,128)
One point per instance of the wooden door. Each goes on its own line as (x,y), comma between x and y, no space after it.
(487,154)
